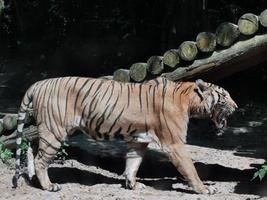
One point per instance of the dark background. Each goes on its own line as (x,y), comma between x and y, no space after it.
(41,39)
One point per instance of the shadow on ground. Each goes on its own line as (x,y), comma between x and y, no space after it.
(159,174)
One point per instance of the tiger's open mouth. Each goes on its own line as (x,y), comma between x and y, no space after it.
(221,119)
(222,123)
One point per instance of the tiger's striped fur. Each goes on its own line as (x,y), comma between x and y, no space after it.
(158,110)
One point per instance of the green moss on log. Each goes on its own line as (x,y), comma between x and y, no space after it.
(138,71)
(226,34)
(171,58)
(188,50)
(206,42)
(10,122)
(121,75)
(248,24)
(263,18)
(155,65)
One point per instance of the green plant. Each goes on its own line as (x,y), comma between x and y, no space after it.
(24,148)
(261,172)
(62,154)
(5,154)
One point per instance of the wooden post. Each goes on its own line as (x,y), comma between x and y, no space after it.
(121,75)
(226,34)
(248,24)
(188,50)
(171,58)
(155,65)
(138,71)
(263,18)
(206,41)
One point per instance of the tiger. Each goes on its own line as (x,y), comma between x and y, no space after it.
(139,113)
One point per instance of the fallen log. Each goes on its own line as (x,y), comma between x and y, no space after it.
(223,63)
(10,141)
(263,18)
(171,58)
(226,34)
(121,75)
(138,71)
(248,24)
(206,42)
(188,51)
(10,121)
(155,65)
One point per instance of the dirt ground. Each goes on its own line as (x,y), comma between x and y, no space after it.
(96,173)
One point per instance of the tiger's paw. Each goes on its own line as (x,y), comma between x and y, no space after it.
(211,190)
(139,186)
(54,187)
(135,185)
(207,190)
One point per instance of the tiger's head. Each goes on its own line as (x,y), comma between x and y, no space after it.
(217,101)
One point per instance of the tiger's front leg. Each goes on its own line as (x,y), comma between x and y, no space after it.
(134,157)
(183,163)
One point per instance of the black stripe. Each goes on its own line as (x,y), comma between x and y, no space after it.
(154,99)
(115,121)
(140,97)
(105,93)
(48,144)
(111,93)
(112,107)
(58,98)
(89,90)
(77,96)
(128,95)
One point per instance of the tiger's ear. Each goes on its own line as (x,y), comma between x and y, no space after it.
(201,87)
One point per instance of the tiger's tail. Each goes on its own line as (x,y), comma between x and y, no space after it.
(25,105)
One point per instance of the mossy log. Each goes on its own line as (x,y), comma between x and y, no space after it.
(248,24)
(188,50)
(155,65)
(223,63)
(1,127)
(122,75)
(138,71)
(263,18)
(106,77)
(171,58)
(226,34)
(206,41)
(10,122)
(30,133)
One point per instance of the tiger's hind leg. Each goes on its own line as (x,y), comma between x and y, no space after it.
(48,147)
(134,158)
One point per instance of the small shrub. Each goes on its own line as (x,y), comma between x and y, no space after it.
(5,154)
(260,173)
(62,154)
(24,148)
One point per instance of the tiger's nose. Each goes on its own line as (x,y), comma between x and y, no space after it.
(234,105)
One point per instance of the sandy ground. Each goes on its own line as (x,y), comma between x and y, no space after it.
(98,175)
